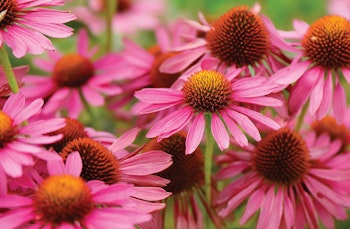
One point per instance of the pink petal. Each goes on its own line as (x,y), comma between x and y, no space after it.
(150,193)
(290,74)
(171,122)
(266,209)
(181,61)
(125,140)
(327,97)
(219,132)
(255,202)
(317,94)
(74,164)
(339,103)
(14,201)
(16,218)
(146,163)
(93,97)
(159,95)
(237,133)
(195,134)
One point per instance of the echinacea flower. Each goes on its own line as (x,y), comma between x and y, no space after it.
(74,77)
(21,139)
(112,164)
(131,15)
(24,23)
(292,180)
(186,176)
(65,200)
(210,92)
(319,67)
(240,38)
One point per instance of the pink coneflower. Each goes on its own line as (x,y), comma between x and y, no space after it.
(240,38)
(64,200)
(318,67)
(114,164)
(23,23)
(20,138)
(186,176)
(222,95)
(131,15)
(292,180)
(74,77)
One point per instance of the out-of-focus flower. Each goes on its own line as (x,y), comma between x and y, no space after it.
(319,66)
(240,38)
(186,176)
(293,180)
(65,200)
(131,15)
(222,94)
(73,77)
(21,138)
(24,23)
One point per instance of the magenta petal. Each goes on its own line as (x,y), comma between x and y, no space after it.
(195,134)
(276,216)
(339,103)
(16,218)
(219,132)
(316,96)
(11,201)
(266,209)
(56,167)
(290,74)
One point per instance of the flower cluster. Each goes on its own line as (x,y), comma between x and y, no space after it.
(218,122)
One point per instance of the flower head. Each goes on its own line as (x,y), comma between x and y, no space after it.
(320,64)
(223,95)
(63,199)
(21,137)
(73,76)
(296,177)
(23,25)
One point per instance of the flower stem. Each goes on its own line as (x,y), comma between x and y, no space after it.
(208,156)
(110,12)
(7,68)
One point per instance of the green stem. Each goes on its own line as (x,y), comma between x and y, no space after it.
(301,117)
(208,156)
(7,68)
(111,5)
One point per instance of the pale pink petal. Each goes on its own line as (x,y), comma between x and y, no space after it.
(93,97)
(56,167)
(195,134)
(146,163)
(255,202)
(181,61)
(74,164)
(290,74)
(266,209)
(219,132)
(43,126)
(125,140)
(14,104)
(29,111)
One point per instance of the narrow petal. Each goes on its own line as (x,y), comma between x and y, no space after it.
(159,95)
(125,140)
(219,132)
(74,164)
(339,103)
(195,134)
